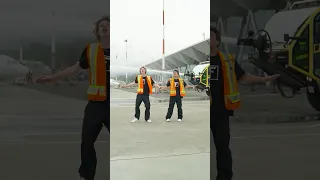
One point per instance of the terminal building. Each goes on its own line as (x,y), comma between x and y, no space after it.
(234,19)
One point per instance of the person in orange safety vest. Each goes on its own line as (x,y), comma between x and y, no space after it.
(145,86)
(95,58)
(177,91)
(224,99)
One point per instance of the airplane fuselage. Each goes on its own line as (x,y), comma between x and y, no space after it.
(11,68)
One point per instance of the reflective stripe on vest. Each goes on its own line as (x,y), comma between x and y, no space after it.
(172,88)
(95,90)
(173,91)
(231,93)
(140,84)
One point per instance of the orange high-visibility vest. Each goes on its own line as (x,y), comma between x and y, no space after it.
(230,82)
(140,84)
(173,91)
(97,73)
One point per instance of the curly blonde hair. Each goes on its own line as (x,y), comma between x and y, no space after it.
(96,26)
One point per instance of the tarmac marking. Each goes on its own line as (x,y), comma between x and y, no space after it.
(260,95)
(184,106)
(274,136)
(166,103)
(316,125)
(160,156)
(45,143)
(50,134)
(282,127)
(236,137)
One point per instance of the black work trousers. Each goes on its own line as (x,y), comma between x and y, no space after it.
(173,100)
(145,99)
(220,131)
(96,115)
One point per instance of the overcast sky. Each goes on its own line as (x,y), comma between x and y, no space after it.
(30,19)
(140,21)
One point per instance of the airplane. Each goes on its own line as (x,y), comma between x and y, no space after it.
(116,70)
(36,66)
(114,83)
(11,69)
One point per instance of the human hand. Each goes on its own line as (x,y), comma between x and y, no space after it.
(44,79)
(272,77)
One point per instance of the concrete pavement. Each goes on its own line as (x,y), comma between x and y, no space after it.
(277,152)
(159,150)
(40,134)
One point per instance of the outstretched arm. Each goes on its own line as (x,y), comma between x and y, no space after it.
(67,72)
(189,86)
(252,79)
(166,86)
(72,70)
(157,86)
(154,84)
(129,85)
(163,87)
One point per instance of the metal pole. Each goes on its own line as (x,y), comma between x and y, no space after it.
(126,60)
(53,44)
(21,54)
(163,47)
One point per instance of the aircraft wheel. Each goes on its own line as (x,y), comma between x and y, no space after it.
(314,98)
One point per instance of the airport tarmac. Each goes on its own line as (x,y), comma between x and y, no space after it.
(274,152)
(159,150)
(40,134)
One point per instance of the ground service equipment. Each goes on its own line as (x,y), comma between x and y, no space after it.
(289,45)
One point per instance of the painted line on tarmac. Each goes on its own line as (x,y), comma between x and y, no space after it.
(184,105)
(46,143)
(316,125)
(50,134)
(282,127)
(275,136)
(160,156)
(23,116)
(260,95)
(191,109)
(165,102)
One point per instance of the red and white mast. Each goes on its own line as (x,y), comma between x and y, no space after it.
(163,47)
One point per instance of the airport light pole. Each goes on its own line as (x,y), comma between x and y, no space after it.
(163,47)
(53,44)
(21,54)
(126,41)
(116,60)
